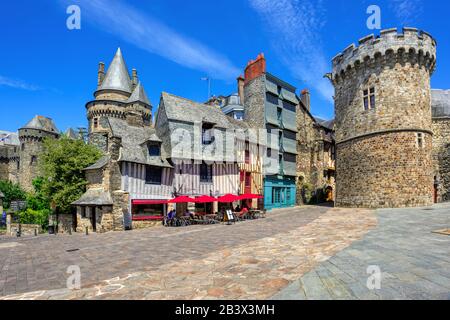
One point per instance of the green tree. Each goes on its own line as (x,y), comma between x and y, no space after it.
(38,206)
(62,163)
(12,191)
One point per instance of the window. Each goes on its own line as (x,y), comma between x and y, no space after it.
(272,98)
(207,134)
(288,195)
(420,141)
(369,98)
(269,153)
(289,106)
(247,152)
(22,146)
(33,160)
(248,179)
(18,165)
(206,173)
(279,114)
(153,175)
(154,150)
(239,115)
(95,123)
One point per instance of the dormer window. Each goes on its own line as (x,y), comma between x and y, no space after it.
(207,133)
(154,150)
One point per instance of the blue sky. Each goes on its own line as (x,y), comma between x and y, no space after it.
(49,70)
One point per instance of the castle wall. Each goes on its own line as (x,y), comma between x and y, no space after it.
(441,156)
(384,171)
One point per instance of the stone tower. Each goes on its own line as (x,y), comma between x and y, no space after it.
(383,120)
(31,138)
(117,96)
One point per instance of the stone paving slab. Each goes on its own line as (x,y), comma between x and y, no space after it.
(414,261)
(250,260)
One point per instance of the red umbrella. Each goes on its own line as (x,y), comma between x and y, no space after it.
(228,198)
(205,199)
(250,196)
(182,199)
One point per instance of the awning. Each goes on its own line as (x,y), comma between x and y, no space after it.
(146,202)
(182,199)
(205,199)
(228,198)
(250,196)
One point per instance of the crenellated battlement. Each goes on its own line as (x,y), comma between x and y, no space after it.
(419,46)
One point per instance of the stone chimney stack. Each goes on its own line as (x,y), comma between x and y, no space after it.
(101,73)
(134,78)
(306,99)
(240,83)
(255,68)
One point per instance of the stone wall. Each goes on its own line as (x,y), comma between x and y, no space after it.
(254,102)
(146,224)
(26,229)
(65,223)
(384,171)
(441,156)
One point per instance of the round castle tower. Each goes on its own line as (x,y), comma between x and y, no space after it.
(31,138)
(383,120)
(117,96)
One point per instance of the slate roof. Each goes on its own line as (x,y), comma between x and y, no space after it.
(72,134)
(9,138)
(134,143)
(440,103)
(139,95)
(181,109)
(329,124)
(188,115)
(117,76)
(94,197)
(41,123)
(102,162)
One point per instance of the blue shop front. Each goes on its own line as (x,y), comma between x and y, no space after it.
(279,192)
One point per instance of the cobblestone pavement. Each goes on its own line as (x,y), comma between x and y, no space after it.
(414,261)
(249,260)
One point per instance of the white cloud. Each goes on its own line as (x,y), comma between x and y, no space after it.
(17,84)
(153,36)
(294,26)
(407,11)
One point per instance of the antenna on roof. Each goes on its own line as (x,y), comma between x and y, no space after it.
(209,86)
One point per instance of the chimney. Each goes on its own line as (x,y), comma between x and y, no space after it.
(134,78)
(101,73)
(306,99)
(255,68)
(240,83)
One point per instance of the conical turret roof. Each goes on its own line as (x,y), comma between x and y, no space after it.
(139,95)
(41,123)
(117,76)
